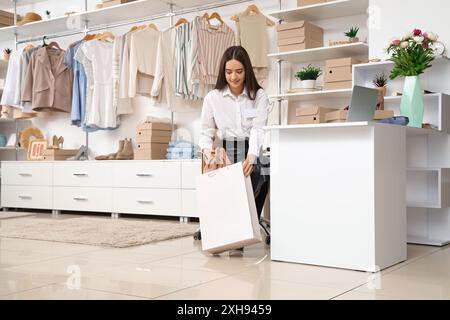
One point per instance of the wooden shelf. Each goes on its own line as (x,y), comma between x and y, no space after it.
(322,11)
(324,53)
(315,95)
(427,241)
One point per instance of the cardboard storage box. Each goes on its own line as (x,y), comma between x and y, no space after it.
(338,85)
(162,126)
(300,29)
(341,115)
(306,44)
(339,73)
(302,3)
(311,115)
(150,151)
(59,154)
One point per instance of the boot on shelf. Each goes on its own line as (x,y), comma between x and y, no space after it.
(112,156)
(127,152)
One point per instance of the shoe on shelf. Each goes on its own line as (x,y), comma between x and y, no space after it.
(113,156)
(81,155)
(127,152)
(236,252)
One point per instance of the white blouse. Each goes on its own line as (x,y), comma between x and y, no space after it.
(234,117)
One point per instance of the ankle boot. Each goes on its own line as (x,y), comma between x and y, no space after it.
(113,156)
(127,152)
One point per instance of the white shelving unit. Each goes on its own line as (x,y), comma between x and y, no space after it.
(127,13)
(322,11)
(323,53)
(318,12)
(312,95)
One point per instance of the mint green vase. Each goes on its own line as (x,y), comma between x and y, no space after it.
(412,101)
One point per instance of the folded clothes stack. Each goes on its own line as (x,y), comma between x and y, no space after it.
(182,150)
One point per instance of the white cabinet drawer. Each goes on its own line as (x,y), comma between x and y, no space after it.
(190,170)
(83,199)
(147,175)
(27,174)
(83,174)
(164,202)
(27,197)
(189,203)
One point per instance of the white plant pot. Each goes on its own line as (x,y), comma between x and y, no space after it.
(309,84)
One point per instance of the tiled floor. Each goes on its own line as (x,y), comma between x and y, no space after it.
(177,269)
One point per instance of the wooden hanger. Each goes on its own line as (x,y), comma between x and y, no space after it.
(153,26)
(28,47)
(181,21)
(205,16)
(105,36)
(89,37)
(135,28)
(216,15)
(253,9)
(54,45)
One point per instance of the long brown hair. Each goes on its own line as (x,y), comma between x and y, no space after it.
(240,54)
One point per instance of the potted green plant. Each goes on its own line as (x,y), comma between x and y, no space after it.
(6,53)
(308,76)
(352,34)
(380,82)
(48,14)
(412,55)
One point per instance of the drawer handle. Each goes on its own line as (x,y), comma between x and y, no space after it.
(80,199)
(145,201)
(80,174)
(25,174)
(144,174)
(25,197)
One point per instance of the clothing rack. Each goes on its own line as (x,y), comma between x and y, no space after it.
(170,14)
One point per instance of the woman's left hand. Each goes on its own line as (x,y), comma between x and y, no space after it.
(248,164)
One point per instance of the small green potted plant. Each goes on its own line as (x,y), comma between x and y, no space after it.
(47,13)
(380,82)
(308,76)
(6,53)
(352,34)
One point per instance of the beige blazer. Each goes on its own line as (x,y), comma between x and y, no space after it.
(48,82)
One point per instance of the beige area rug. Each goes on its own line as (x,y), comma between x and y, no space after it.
(118,233)
(11,215)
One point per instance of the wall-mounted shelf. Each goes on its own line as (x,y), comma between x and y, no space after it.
(322,11)
(314,95)
(124,13)
(323,53)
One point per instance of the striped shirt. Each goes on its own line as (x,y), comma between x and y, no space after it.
(212,42)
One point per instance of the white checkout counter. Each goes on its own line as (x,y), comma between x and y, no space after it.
(338,195)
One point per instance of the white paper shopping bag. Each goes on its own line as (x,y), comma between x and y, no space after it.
(227,210)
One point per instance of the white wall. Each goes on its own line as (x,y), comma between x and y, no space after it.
(393,18)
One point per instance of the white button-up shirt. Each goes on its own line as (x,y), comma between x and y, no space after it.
(234,117)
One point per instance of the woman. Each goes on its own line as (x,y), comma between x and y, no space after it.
(237,112)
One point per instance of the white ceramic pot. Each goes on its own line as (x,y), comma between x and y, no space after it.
(309,84)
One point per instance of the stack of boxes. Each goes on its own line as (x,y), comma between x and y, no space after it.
(6,19)
(312,115)
(341,115)
(339,73)
(299,35)
(152,141)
